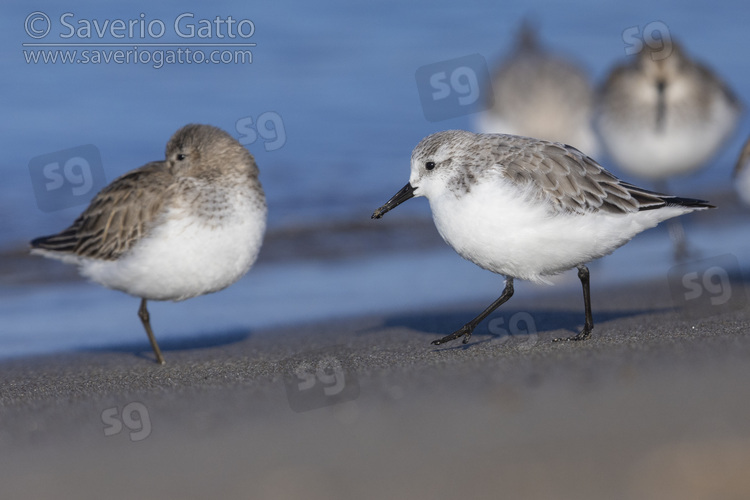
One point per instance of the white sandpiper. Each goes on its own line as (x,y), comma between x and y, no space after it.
(528,208)
(174,229)
(541,94)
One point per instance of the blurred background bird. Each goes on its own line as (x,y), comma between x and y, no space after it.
(663,114)
(537,93)
(741,173)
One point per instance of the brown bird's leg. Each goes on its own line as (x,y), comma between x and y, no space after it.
(143,314)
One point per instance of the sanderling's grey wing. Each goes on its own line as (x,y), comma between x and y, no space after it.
(574,183)
(117,217)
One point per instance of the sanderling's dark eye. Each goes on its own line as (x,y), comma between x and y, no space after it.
(181,157)
(429,165)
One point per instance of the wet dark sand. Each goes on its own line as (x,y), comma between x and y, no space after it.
(656,405)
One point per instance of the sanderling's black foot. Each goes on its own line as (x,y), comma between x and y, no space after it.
(464,332)
(585,333)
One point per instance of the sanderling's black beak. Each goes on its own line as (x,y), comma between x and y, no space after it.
(398,198)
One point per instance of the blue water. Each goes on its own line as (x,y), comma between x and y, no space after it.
(338,82)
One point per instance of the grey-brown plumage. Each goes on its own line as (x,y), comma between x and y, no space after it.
(126,210)
(558,174)
(662,113)
(541,94)
(173,229)
(698,86)
(120,215)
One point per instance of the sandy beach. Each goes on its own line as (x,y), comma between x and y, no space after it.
(313,376)
(654,405)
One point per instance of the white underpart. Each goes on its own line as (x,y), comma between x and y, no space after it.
(497,227)
(185,256)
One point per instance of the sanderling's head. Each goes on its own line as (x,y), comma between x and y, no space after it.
(443,162)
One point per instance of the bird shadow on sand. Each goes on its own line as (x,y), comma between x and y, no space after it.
(522,324)
(204,340)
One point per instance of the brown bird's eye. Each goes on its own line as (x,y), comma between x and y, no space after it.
(429,165)
(180,157)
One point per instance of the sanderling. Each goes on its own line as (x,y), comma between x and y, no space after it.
(528,208)
(540,94)
(174,229)
(741,173)
(663,115)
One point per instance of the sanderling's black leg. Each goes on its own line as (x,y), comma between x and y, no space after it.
(583,275)
(465,331)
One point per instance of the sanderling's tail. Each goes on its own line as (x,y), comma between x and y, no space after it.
(687,202)
(649,200)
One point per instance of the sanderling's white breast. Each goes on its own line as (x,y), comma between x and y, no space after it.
(528,208)
(174,229)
